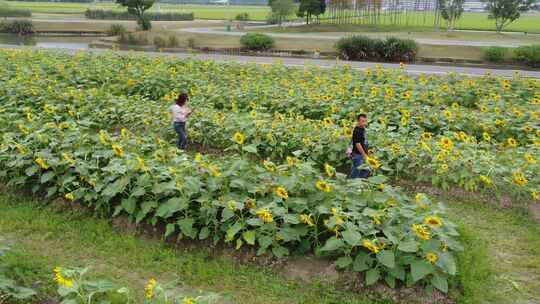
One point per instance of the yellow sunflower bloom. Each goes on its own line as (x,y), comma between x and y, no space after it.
(370,246)
(239,138)
(421,232)
(282,193)
(373,163)
(117,150)
(431,257)
(433,221)
(323,186)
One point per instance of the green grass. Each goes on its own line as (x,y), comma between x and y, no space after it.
(501,262)
(44,239)
(200,11)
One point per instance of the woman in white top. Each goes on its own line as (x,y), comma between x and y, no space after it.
(180,114)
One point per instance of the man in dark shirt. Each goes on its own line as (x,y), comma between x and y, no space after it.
(360,147)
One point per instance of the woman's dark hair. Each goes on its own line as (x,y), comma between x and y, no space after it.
(182,99)
(362,115)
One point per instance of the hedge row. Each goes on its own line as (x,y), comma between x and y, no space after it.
(124,15)
(528,54)
(366,48)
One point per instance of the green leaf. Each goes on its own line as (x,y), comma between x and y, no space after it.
(30,171)
(387,258)
(118,186)
(419,269)
(344,261)
(280,251)
(204,233)
(233,230)
(446,261)
(372,276)
(440,283)
(239,243)
(249,237)
(332,244)
(47,176)
(250,149)
(352,237)
(360,262)
(171,206)
(186,226)
(390,280)
(170,229)
(265,241)
(128,205)
(408,246)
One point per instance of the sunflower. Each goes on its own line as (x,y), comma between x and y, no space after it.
(265,215)
(69,196)
(239,138)
(486,180)
(251,203)
(323,186)
(427,136)
(444,167)
(373,163)
(431,257)
(447,114)
(41,163)
(269,166)
(347,132)
(214,171)
(422,232)
(253,114)
(512,143)
(530,159)
(306,219)
(486,136)
(327,122)
(433,221)
(535,195)
(446,143)
(282,193)
(149,288)
(117,150)
(370,246)
(330,171)
(520,180)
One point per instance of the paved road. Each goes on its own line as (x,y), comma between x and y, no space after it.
(336,36)
(323,63)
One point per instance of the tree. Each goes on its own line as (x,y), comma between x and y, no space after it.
(282,9)
(507,11)
(137,8)
(310,8)
(451,11)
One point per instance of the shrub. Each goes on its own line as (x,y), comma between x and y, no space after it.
(257,41)
(495,54)
(124,15)
(20,27)
(242,17)
(173,41)
(116,30)
(359,47)
(191,42)
(12,12)
(160,41)
(529,55)
(134,39)
(396,49)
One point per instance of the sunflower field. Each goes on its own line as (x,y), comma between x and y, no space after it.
(96,129)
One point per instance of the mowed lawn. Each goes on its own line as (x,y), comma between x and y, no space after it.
(529,22)
(200,11)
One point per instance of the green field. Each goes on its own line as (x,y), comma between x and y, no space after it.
(201,11)
(470,21)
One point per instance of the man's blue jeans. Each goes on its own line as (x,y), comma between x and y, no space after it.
(180,128)
(357,161)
